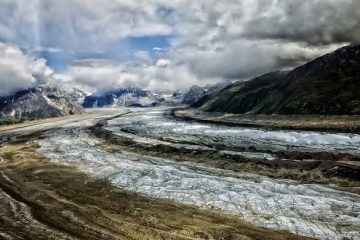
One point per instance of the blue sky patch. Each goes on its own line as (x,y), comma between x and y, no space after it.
(121,51)
(149,43)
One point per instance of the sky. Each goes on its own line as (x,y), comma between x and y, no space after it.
(97,45)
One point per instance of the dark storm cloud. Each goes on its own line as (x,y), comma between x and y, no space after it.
(316,22)
(242,39)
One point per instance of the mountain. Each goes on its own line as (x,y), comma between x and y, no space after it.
(329,85)
(122,97)
(41,102)
(78,95)
(196,92)
(169,98)
(241,97)
(210,93)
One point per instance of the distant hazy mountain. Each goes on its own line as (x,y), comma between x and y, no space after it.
(41,102)
(210,93)
(122,97)
(196,92)
(328,85)
(169,98)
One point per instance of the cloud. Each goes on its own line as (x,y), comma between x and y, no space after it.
(245,59)
(163,62)
(93,74)
(18,71)
(315,22)
(101,75)
(242,39)
(46,49)
(210,40)
(158,49)
(143,57)
(312,21)
(78,25)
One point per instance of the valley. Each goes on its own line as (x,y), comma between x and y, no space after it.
(129,168)
(180,120)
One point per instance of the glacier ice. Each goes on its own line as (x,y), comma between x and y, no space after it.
(306,209)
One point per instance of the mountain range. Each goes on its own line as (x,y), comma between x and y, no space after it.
(41,102)
(128,97)
(328,85)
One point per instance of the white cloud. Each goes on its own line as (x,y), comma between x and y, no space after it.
(18,71)
(78,25)
(46,49)
(94,74)
(143,57)
(158,49)
(163,62)
(81,25)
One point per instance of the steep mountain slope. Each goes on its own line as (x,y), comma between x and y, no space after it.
(122,97)
(41,102)
(197,93)
(328,85)
(241,97)
(78,95)
(194,94)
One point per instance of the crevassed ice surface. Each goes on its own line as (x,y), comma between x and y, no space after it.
(153,124)
(310,210)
